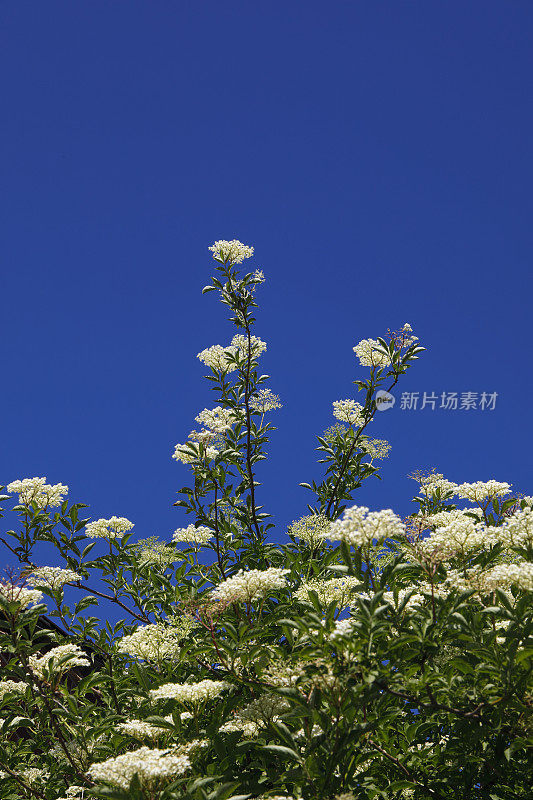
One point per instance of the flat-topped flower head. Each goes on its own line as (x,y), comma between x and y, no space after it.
(36,490)
(251,584)
(217,419)
(311,528)
(218,358)
(256,345)
(12,593)
(348,411)
(153,767)
(190,692)
(59,660)
(338,590)
(192,534)
(108,528)
(482,491)
(264,400)
(369,355)
(359,526)
(233,252)
(52,577)
(157,641)
(430,482)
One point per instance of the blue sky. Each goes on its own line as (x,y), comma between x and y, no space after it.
(376,155)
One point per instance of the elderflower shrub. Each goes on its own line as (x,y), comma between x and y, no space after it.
(360,656)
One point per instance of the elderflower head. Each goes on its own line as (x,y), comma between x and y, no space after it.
(108,528)
(156,641)
(429,483)
(190,692)
(140,729)
(217,419)
(375,448)
(59,660)
(505,575)
(52,577)
(516,530)
(151,552)
(311,528)
(368,354)
(482,490)
(218,358)
(195,535)
(337,590)
(251,584)
(265,400)
(190,453)
(152,766)
(12,687)
(36,490)
(234,251)
(360,527)
(348,411)
(12,593)
(462,534)
(257,346)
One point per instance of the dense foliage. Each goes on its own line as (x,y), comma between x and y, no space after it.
(365,657)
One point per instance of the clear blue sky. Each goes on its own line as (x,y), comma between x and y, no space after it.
(377,155)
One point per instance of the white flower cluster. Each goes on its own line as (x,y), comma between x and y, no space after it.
(444,518)
(251,584)
(140,729)
(108,528)
(52,577)
(247,728)
(234,251)
(153,552)
(190,692)
(265,400)
(369,356)
(151,766)
(59,660)
(375,448)
(36,490)
(435,480)
(240,343)
(481,491)
(338,590)
(217,419)
(462,534)
(311,528)
(217,358)
(18,594)
(264,709)
(358,526)
(517,530)
(189,453)
(199,535)
(12,687)
(281,673)
(505,575)
(155,642)
(348,411)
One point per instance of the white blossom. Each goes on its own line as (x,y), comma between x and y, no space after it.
(462,534)
(52,577)
(505,575)
(251,584)
(482,490)
(233,251)
(195,535)
(360,527)
(36,490)
(265,400)
(140,729)
(218,419)
(348,411)
(156,641)
(338,590)
(108,528)
(190,692)
(59,660)
(516,530)
(369,356)
(311,528)
(257,346)
(12,687)
(12,593)
(151,766)
(218,358)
